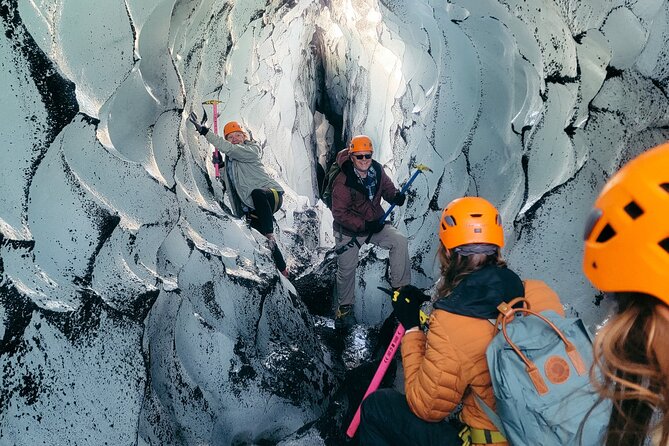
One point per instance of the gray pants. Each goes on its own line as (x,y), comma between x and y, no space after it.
(347,262)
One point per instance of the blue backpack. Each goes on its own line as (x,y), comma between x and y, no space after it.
(539,365)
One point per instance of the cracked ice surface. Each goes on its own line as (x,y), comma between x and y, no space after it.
(136,309)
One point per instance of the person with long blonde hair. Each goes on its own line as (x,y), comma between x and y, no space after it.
(627,254)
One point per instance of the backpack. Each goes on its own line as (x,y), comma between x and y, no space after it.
(539,367)
(328,182)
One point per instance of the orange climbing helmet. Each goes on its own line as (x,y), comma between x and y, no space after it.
(231,127)
(470,220)
(361,143)
(627,233)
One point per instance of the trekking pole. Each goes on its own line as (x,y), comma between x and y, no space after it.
(378,376)
(214,103)
(419,168)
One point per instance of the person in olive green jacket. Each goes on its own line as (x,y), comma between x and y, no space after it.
(252,191)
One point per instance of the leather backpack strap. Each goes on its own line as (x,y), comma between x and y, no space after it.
(507,313)
(507,308)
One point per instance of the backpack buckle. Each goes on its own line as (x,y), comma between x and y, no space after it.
(505,309)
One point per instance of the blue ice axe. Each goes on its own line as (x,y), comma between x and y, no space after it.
(419,168)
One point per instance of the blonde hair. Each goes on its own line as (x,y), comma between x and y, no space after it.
(634,367)
(455,267)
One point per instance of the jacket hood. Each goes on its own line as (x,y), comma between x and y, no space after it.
(479,294)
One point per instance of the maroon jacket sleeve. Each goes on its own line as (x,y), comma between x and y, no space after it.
(388,189)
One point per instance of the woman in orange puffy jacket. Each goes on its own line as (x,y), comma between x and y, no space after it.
(627,253)
(447,367)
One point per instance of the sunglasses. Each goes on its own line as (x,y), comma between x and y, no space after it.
(364,157)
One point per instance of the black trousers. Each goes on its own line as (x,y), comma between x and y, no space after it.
(266,203)
(387,420)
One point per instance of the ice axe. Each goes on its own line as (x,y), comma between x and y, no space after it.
(381,370)
(378,376)
(419,168)
(214,103)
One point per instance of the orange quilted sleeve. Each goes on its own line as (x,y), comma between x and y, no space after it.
(432,375)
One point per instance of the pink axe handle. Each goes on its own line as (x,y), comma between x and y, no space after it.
(218,174)
(378,376)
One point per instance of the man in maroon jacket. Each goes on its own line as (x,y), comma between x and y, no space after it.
(357,211)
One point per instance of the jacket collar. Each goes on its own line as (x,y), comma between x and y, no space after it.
(480,292)
(352,178)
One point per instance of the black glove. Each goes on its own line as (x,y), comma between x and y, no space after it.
(216,158)
(373,226)
(199,126)
(406,304)
(398,199)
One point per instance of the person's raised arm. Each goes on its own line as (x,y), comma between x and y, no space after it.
(432,373)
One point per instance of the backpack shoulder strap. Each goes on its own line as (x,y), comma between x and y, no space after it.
(492,416)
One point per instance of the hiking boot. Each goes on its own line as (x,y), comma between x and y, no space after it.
(344,319)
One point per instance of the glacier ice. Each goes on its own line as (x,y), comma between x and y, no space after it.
(136,310)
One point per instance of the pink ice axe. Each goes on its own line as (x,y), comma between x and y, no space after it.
(378,376)
(214,103)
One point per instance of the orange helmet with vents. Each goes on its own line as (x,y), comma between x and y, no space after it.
(230,127)
(470,220)
(361,143)
(627,233)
